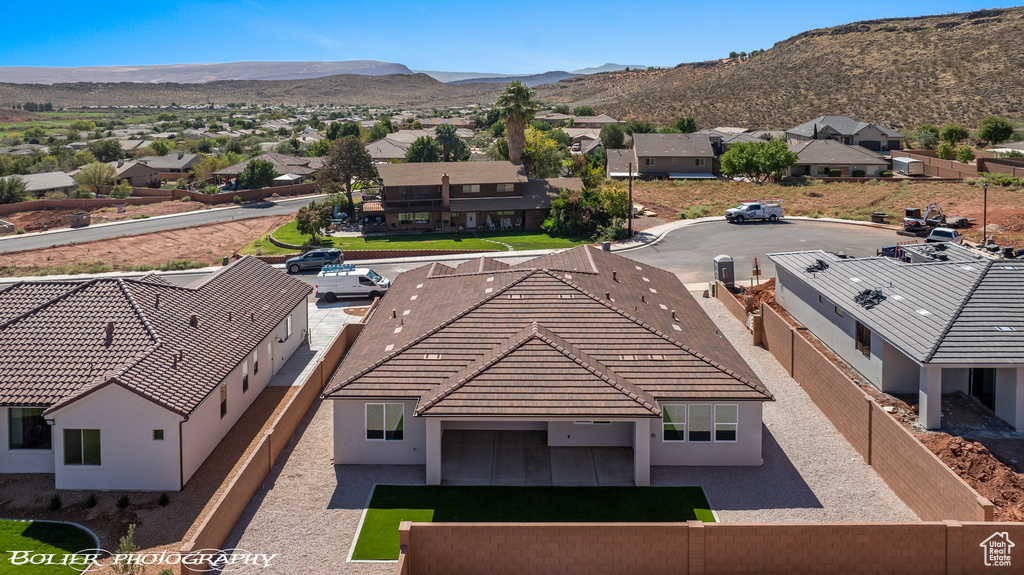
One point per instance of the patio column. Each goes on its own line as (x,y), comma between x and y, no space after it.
(930,396)
(642,452)
(1018,420)
(433,451)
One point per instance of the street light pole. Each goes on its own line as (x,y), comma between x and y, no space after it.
(984,216)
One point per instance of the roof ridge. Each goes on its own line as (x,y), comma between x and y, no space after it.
(429,333)
(956,314)
(668,338)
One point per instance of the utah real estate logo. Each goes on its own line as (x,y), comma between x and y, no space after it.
(997,549)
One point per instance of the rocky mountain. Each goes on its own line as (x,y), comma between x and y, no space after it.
(609,67)
(530,80)
(897,72)
(198,73)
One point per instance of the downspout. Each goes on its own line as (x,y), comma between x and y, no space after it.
(181,457)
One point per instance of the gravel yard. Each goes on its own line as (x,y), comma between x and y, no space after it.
(810,472)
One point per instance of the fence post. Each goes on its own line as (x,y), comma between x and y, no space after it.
(954,547)
(695,552)
(871,414)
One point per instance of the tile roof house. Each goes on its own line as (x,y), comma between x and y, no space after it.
(583,345)
(819,157)
(387,150)
(951,321)
(131,383)
(283,164)
(848,131)
(451,196)
(674,156)
(176,163)
(134,172)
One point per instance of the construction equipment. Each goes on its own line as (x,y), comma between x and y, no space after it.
(932,218)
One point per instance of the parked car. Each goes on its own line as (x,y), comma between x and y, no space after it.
(945,235)
(315,259)
(754,211)
(349,281)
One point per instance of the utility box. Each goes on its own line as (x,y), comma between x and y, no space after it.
(81,219)
(724,269)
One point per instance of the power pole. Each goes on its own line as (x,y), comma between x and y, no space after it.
(629,212)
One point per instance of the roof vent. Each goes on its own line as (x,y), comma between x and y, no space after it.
(110,329)
(181,155)
(674,318)
(432,356)
(1005,328)
(252,316)
(230,315)
(615,276)
(157,304)
(608,295)
(194,320)
(924,312)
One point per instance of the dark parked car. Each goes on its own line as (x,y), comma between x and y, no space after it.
(314,259)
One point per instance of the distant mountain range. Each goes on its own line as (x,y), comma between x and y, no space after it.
(199,73)
(531,80)
(608,68)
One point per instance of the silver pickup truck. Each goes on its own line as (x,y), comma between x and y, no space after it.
(754,211)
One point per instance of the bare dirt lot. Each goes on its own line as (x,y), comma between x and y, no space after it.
(32,221)
(204,244)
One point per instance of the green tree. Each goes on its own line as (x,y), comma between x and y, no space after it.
(560,137)
(583,111)
(319,148)
(35,133)
(758,161)
(995,130)
(561,109)
(257,174)
(613,137)
(945,151)
(13,189)
(965,154)
(633,126)
(953,134)
(927,136)
(313,218)
(424,149)
(378,131)
(83,125)
(341,129)
(349,160)
(686,125)
(106,150)
(542,156)
(95,176)
(517,109)
(162,147)
(84,157)
(121,190)
(448,138)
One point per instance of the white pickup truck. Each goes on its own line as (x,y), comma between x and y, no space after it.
(754,211)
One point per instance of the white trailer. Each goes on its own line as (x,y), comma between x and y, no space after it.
(908,166)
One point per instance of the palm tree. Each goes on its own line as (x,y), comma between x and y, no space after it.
(517,108)
(448,137)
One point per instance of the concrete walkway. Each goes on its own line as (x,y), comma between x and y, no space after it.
(325,321)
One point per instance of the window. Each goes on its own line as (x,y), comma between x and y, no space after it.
(726,419)
(28,429)
(245,376)
(506,188)
(158,435)
(648,161)
(700,423)
(223,401)
(385,421)
(506,213)
(673,420)
(405,218)
(255,361)
(365,281)
(839,312)
(81,447)
(454,214)
(821,299)
(699,161)
(863,339)
(471,189)
(421,217)
(287,327)
(675,161)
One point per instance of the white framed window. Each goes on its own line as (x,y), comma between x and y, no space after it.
(699,425)
(726,421)
(81,447)
(385,422)
(506,187)
(700,161)
(471,189)
(648,161)
(223,401)
(255,361)
(673,422)
(245,376)
(287,327)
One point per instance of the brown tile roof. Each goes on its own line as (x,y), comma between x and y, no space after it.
(453,331)
(54,346)
(429,173)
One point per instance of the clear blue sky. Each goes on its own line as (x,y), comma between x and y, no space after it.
(506,36)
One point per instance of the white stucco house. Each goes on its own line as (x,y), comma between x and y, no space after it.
(581,348)
(951,321)
(130,384)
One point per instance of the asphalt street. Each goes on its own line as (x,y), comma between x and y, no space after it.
(132,227)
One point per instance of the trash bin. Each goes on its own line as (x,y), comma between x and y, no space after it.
(606,246)
(879,217)
(724,269)
(225,261)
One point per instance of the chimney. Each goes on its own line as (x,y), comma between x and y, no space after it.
(394,314)
(110,329)
(615,276)
(608,295)
(674,318)
(120,163)
(181,155)
(230,315)
(445,190)
(194,321)
(157,305)
(643,299)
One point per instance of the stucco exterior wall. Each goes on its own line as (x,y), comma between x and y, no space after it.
(955,379)
(572,434)
(746,450)
(900,374)
(1006,395)
(352,447)
(663,166)
(129,456)
(21,460)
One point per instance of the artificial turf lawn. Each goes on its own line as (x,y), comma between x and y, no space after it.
(41,537)
(392,504)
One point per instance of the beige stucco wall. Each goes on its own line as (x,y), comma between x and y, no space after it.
(746,450)
(351,445)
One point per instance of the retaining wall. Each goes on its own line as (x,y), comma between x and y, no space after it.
(911,470)
(78,204)
(735,306)
(217,525)
(246,195)
(696,548)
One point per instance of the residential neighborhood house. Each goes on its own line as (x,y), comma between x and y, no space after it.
(673,156)
(848,131)
(820,157)
(39,184)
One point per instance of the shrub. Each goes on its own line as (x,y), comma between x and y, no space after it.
(121,191)
(886,174)
(54,195)
(182,184)
(123,501)
(965,155)
(970,181)
(823,171)
(186,199)
(835,173)
(20,231)
(55,502)
(163,500)
(91,501)
(237,199)
(945,151)
(81,194)
(857,173)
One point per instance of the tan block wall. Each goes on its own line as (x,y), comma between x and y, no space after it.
(735,306)
(777,337)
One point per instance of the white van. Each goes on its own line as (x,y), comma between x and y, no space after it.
(349,281)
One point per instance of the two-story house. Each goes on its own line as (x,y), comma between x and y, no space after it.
(456,196)
(848,131)
(673,156)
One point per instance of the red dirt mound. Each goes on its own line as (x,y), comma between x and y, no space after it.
(988,476)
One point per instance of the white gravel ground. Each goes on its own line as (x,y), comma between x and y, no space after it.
(308,509)
(810,472)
